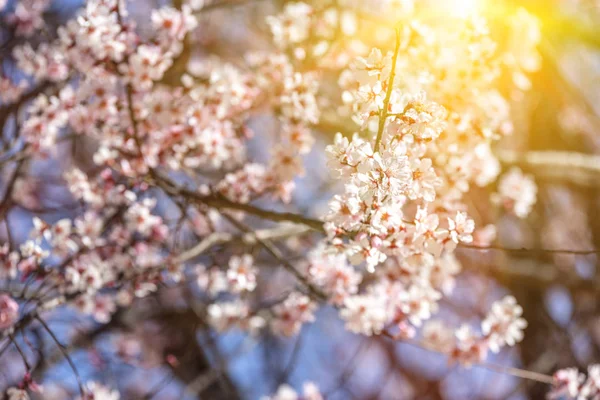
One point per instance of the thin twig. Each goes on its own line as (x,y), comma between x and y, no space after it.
(516,372)
(526,250)
(216,238)
(390,87)
(276,253)
(519,373)
(65,354)
(210,241)
(14,341)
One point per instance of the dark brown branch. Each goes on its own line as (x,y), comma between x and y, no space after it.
(221,202)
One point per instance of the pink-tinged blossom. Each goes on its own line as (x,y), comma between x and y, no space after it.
(223,316)
(503,324)
(469,349)
(346,210)
(41,229)
(375,68)
(89,228)
(9,91)
(88,273)
(461,228)
(47,115)
(96,34)
(82,189)
(332,272)
(27,17)
(173,24)
(9,311)
(140,218)
(212,280)
(298,137)
(57,235)
(233,314)
(97,391)
(9,261)
(289,316)
(286,163)
(32,253)
(100,307)
(369,100)
(241,274)
(419,120)
(517,192)
(417,303)
(365,314)
(426,227)
(424,182)
(25,193)
(298,103)
(366,249)
(244,184)
(293,25)
(568,384)
(438,336)
(591,387)
(484,236)
(17,394)
(145,66)
(340,156)
(103,308)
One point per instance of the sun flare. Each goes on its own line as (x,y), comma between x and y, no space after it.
(464,8)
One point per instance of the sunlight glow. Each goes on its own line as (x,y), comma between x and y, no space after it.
(464,8)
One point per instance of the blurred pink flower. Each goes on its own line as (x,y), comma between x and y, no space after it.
(9,311)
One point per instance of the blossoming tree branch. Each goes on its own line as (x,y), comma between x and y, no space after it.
(137,173)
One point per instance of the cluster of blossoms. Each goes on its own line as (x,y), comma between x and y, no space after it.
(286,318)
(112,253)
(309,31)
(289,316)
(10,91)
(22,391)
(429,114)
(333,274)
(293,95)
(570,384)
(96,252)
(27,17)
(503,326)
(198,125)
